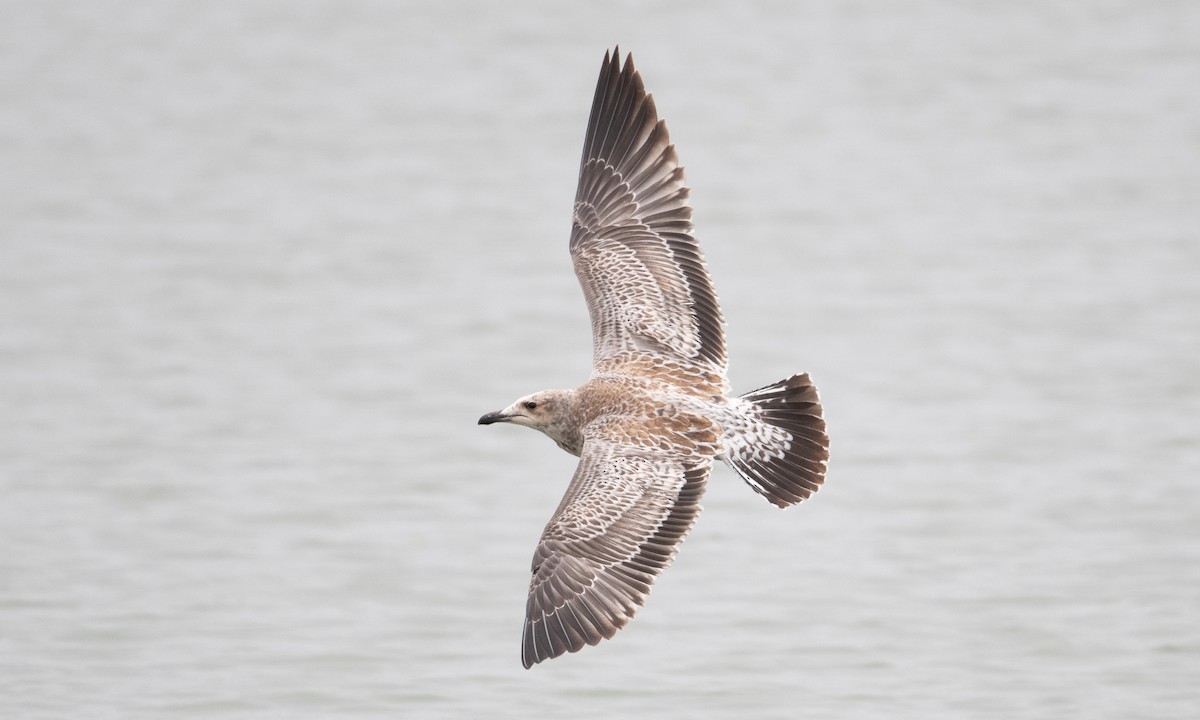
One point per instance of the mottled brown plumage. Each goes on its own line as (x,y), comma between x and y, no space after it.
(656,412)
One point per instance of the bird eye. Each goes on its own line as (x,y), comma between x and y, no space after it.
(530,405)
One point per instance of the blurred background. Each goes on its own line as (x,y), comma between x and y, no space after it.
(263,265)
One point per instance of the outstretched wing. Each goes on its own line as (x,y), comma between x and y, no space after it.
(618,526)
(642,272)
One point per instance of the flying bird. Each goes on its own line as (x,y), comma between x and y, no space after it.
(657,409)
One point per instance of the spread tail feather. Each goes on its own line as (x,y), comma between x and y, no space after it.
(779,445)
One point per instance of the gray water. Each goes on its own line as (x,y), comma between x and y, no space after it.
(263,265)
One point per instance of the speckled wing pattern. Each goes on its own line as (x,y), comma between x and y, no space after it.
(642,272)
(634,496)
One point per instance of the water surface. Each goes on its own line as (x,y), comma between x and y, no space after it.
(262,266)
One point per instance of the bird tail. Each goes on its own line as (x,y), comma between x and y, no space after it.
(778,443)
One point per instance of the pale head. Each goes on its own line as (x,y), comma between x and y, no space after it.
(548,411)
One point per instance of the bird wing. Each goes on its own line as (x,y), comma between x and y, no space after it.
(629,505)
(643,274)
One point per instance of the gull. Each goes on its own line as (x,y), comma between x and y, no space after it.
(657,409)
